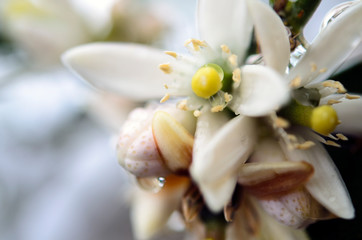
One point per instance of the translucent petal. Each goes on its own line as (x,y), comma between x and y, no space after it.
(130,70)
(225,22)
(350,114)
(330,48)
(262,90)
(150,211)
(271,35)
(326,185)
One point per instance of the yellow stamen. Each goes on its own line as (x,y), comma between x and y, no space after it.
(305,145)
(225,48)
(165,98)
(331,143)
(237,75)
(281,122)
(233,60)
(197,113)
(323,119)
(217,108)
(172,54)
(333,101)
(166,86)
(352,96)
(334,84)
(341,137)
(323,70)
(182,105)
(166,68)
(295,83)
(196,43)
(207,81)
(228,97)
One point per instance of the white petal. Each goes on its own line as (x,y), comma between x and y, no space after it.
(150,211)
(350,113)
(225,22)
(271,35)
(127,69)
(219,154)
(217,194)
(331,47)
(326,185)
(262,90)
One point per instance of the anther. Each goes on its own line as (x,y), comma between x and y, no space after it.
(237,75)
(182,105)
(332,143)
(228,97)
(281,122)
(334,84)
(217,108)
(352,96)
(166,68)
(333,101)
(165,98)
(305,145)
(295,83)
(197,113)
(233,60)
(172,54)
(225,48)
(341,137)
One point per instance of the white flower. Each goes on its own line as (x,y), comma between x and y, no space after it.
(257,90)
(313,99)
(44,29)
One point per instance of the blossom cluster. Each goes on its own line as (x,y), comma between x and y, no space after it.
(236,143)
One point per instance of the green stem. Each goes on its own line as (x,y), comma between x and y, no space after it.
(215,230)
(295,14)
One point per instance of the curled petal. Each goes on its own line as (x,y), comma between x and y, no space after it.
(267,179)
(173,141)
(338,40)
(150,211)
(262,90)
(271,35)
(252,222)
(137,150)
(143,158)
(296,209)
(225,22)
(219,153)
(350,113)
(326,185)
(128,69)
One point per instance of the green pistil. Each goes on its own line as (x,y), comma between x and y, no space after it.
(227,82)
(322,119)
(297,113)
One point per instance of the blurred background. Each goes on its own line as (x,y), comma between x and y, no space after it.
(59,176)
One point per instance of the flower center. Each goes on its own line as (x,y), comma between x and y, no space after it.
(207,81)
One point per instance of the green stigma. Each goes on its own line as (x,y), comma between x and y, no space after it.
(207,81)
(322,119)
